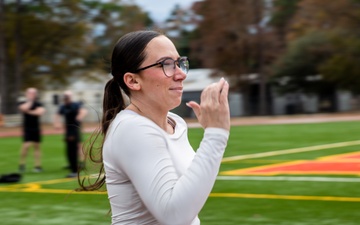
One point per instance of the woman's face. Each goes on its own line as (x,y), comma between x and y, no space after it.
(158,89)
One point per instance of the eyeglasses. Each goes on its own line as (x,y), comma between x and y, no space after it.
(169,66)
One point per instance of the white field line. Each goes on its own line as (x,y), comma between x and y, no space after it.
(290,151)
(275,178)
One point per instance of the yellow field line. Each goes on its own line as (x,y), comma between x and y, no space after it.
(51,191)
(290,151)
(35,189)
(286,197)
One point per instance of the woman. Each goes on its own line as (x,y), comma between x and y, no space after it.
(152,174)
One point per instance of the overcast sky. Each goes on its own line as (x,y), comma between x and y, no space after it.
(159,10)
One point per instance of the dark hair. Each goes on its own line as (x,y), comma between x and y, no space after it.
(127,56)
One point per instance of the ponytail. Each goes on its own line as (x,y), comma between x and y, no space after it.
(113,103)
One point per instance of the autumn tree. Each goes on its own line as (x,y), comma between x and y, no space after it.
(37,40)
(48,42)
(298,68)
(179,27)
(235,39)
(3,91)
(281,18)
(110,21)
(334,56)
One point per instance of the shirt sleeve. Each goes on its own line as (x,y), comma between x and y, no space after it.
(172,199)
(20,103)
(36,105)
(39,104)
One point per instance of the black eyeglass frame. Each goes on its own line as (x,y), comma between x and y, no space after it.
(185,58)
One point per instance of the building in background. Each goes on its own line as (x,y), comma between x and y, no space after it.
(91,94)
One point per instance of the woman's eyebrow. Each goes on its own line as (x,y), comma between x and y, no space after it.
(166,57)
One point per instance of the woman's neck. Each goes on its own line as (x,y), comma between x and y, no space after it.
(156,114)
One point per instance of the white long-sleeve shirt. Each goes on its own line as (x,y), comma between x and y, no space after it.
(153,177)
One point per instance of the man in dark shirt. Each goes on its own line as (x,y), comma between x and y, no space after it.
(73,114)
(31,110)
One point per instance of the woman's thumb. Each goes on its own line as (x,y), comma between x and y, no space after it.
(195,107)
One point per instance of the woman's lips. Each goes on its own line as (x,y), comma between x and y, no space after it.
(177,89)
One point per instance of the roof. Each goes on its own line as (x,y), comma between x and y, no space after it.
(198,79)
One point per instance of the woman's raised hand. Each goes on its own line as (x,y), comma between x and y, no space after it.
(213,110)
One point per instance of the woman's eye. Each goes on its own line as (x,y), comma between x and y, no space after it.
(166,63)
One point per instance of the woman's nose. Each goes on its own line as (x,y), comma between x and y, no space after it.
(179,73)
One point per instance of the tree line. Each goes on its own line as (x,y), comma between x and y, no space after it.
(311,46)
(44,42)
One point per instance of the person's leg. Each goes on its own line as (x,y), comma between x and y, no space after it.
(36,137)
(72,155)
(37,157)
(67,145)
(67,167)
(23,154)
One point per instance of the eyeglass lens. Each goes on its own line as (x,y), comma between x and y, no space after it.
(169,66)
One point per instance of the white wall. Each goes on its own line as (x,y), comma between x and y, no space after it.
(236,104)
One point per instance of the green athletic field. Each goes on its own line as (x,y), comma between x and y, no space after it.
(308,198)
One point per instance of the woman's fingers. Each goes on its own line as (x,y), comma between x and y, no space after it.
(224,92)
(213,110)
(211,93)
(224,104)
(220,84)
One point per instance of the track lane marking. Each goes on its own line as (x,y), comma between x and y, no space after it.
(289,178)
(290,151)
(219,195)
(287,197)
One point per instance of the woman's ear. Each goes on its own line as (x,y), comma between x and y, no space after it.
(132,81)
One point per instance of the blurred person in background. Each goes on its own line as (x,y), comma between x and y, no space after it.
(31,110)
(73,114)
(152,173)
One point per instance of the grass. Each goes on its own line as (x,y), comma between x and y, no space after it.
(257,201)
